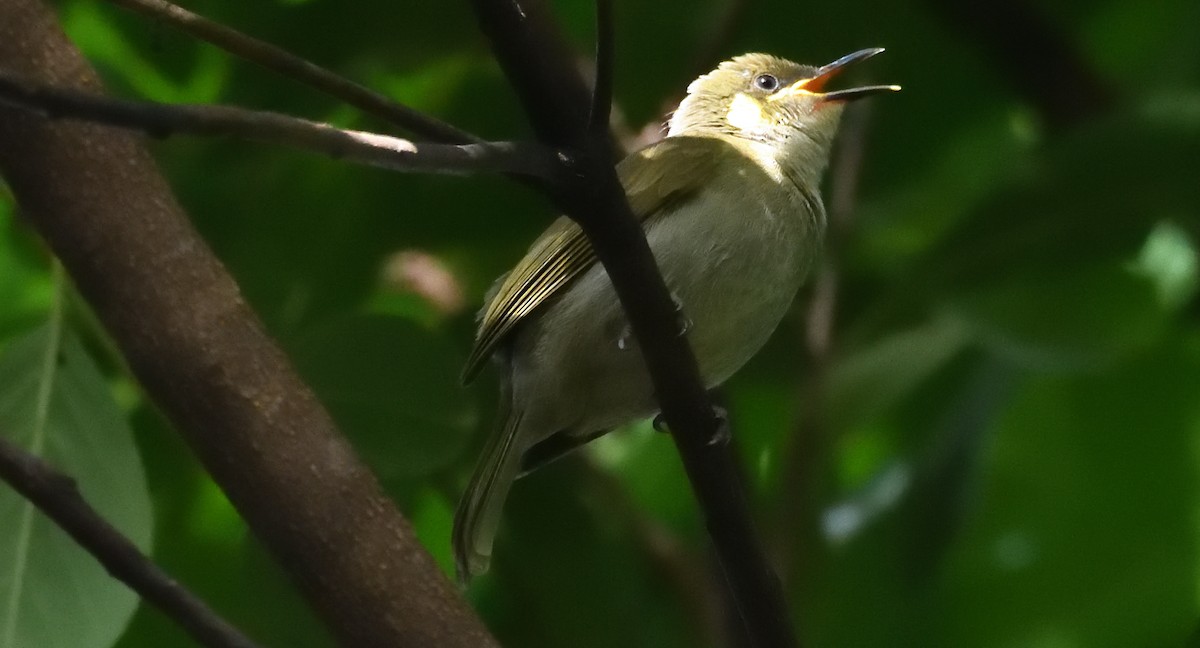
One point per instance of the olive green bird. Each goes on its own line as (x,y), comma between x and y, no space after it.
(730,204)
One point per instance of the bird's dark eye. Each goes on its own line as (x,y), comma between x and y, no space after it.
(766,82)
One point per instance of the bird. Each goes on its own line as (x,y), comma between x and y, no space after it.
(730,204)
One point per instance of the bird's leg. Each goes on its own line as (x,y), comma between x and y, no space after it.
(625,335)
(685,322)
(721,435)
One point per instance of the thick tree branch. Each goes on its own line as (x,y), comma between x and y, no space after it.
(537,62)
(358,147)
(96,197)
(57,497)
(281,61)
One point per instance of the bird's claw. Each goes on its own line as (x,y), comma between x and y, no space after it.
(685,322)
(720,435)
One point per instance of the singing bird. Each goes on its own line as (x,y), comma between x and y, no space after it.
(731,209)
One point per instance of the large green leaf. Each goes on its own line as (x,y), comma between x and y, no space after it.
(54,402)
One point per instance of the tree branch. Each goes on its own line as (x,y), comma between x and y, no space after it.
(359,147)
(97,199)
(806,458)
(57,497)
(538,63)
(282,62)
(533,55)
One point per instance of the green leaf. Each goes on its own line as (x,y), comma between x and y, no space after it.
(54,402)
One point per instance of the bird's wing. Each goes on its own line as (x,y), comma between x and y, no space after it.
(657,179)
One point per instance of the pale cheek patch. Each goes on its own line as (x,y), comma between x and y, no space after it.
(746,114)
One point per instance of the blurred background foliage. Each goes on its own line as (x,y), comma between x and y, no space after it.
(995,445)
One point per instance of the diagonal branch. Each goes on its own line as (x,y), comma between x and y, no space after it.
(96,197)
(359,147)
(283,62)
(532,54)
(811,442)
(538,63)
(57,497)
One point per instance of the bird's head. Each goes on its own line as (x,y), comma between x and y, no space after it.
(772,101)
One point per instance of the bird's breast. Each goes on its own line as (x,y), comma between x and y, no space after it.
(734,261)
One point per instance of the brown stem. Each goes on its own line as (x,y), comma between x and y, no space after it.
(808,455)
(96,197)
(57,497)
(289,65)
(357,147)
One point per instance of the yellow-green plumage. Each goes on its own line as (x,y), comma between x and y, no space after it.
(731,210)
(562,251)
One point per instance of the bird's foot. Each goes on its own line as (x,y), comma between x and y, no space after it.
(685,322)
(720,435)
(625,337)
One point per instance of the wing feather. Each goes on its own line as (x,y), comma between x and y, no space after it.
(656,179)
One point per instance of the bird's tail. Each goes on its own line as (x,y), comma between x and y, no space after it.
(478,513)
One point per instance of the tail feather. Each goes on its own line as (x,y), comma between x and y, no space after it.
(478,513)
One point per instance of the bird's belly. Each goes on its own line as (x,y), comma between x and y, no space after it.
(737,284)
(734,275)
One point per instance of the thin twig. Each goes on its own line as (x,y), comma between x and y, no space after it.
(532,54)
(359,147)
(281,61)
(690,575)
(57,497)
(95,196)
(843,194)
(810,444)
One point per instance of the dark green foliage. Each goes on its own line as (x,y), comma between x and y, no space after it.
(999,448)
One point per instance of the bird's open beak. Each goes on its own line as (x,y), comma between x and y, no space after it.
(816,85)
